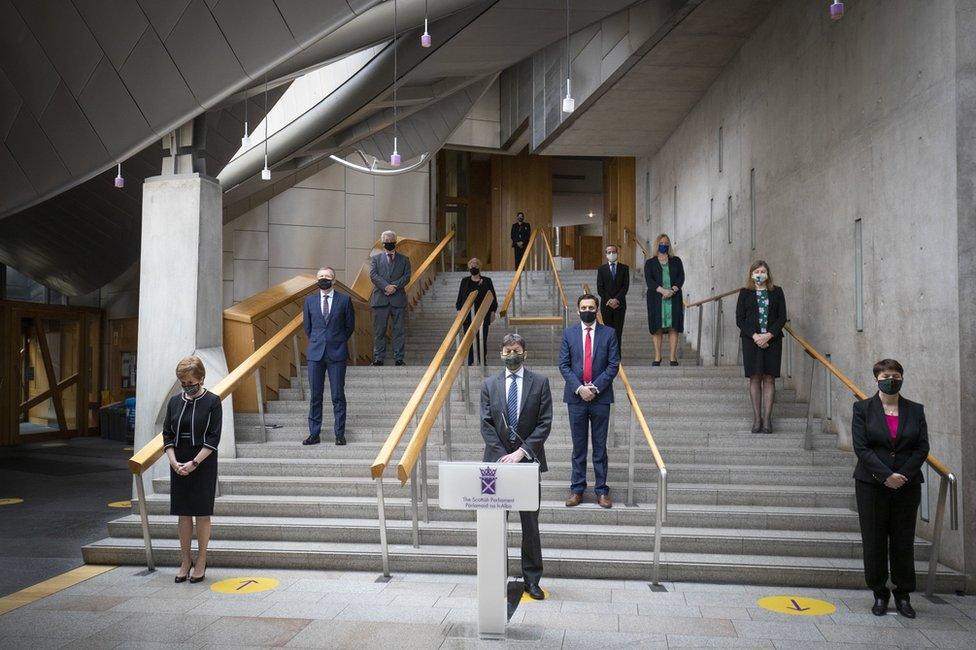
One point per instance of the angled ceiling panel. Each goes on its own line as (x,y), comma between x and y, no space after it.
(24,61)
(163,14)
(13,183)
(70,131)
(156,84)
(302,16)
(10,104)
(201,52)
(255,30)
(34,153)
(117,120)
(117,26)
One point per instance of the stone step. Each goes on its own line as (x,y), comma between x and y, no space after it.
(578,563)
(836,496)
(555,536)
(679,514)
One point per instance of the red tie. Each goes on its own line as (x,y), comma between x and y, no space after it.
(587,358)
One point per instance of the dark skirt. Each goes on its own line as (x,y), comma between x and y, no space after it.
(193,495)
(760,361)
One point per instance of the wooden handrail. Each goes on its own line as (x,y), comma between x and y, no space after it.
(632,398)
(711,299)
(640,244)
(813,353)
(416,274)
(441,393)
(396,434)
(510,294)
(555,271)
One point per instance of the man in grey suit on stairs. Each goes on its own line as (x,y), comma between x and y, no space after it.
(516,416)
(390,272)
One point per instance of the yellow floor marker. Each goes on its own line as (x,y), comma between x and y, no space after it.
(10,501)
(120,504)
(526,598)
(797,605)
(246,585)
(51,586)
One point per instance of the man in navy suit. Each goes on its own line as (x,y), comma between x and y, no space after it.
(588,360)
(329,321)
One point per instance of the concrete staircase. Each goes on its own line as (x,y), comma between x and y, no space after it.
(743,508)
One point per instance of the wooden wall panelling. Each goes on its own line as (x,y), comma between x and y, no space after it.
(620,204)
(518,183)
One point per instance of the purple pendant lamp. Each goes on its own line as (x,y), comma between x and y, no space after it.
(836,10)
(425,40)
(119,181)
(395,156)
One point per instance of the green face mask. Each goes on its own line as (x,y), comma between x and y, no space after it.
(889,386)
(513,361)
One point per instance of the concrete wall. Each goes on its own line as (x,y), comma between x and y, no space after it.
(841,121)
(331,218)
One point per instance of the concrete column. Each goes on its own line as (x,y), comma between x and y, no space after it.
(966,228)
(180,289)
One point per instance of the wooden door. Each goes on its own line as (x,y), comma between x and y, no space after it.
(591,251)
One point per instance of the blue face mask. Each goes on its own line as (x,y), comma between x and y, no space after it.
(662,248)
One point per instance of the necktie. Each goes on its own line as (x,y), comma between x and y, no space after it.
(389,256)
(512,407)
(613,271)
(587,358)
(325,307)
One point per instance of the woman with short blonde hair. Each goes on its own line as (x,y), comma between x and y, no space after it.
(665,274)
(191,435)
(474,281)
(760,315)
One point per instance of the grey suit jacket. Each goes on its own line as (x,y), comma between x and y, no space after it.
(382,273)
(535,417)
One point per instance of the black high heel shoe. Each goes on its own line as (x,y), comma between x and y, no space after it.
(178,579)
(194,580)
(757,426)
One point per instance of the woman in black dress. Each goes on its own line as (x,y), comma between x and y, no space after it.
(891,441)
(760,315)
(191,434)
(665,274)
(481,284)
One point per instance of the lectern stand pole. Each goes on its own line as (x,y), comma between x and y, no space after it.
(492,573)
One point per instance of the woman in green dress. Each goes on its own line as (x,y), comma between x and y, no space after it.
(665,274)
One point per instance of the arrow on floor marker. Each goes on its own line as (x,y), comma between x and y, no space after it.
(254,582)
(796,606)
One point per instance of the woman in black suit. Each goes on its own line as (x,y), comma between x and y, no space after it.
(191,434)
(760,315)
(481,284)
(665,274)
(891,441)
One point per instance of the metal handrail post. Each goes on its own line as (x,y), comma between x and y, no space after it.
(936,536)
(658,521)
(413,507)
(381,511)
(715,333)
(718,332)
(424,486)
(701,312)
(808,430)
(460,385)
(259,393)
(446,411)
(298,365)
(630,459)
(144,518)
(828,393)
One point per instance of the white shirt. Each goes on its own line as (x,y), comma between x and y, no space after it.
(323,296)
(520,374)
(592,334)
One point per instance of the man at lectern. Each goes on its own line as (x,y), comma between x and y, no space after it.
(516,416)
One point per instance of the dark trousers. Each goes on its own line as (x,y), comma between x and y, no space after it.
(519,252)
(484,337)
(888,533)
(588,420)
(615,318)
(531,545)
(316,386)
(381,318)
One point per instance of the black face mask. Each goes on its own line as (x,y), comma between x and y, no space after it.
(588,317)
(475,271)
(190,390)
(325,284)
(890,386)
(389,245)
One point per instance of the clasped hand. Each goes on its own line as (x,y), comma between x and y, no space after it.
(588,393)
(183,469)
(895,481)
(389,289)
(762,340)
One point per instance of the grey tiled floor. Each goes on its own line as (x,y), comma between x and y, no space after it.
(316,609)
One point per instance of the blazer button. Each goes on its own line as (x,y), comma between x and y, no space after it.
(892,454)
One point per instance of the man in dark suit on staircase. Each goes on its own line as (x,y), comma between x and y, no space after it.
(612,284)
(329,321)
(520,237)
(516,416)
(389,272)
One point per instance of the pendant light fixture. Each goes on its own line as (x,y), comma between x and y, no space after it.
(119,181)
(569,104)
(425,39)
(265,173)
(395,156)
(245,141)
(836,10)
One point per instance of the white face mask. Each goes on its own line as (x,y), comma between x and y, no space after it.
(759,278)
(612,257)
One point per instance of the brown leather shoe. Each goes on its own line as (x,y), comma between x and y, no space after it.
(604,501)
(574,500)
